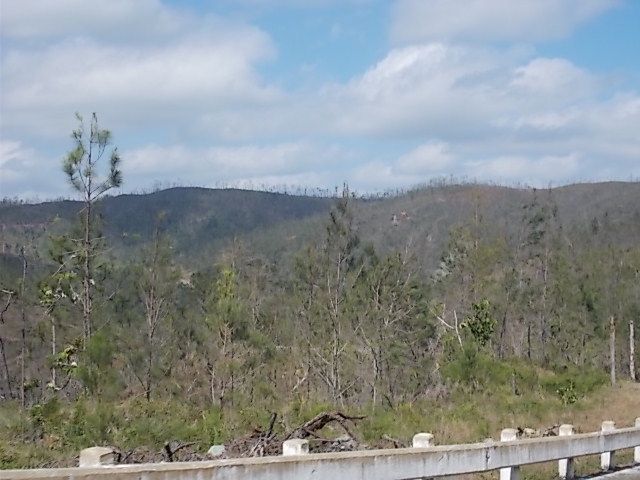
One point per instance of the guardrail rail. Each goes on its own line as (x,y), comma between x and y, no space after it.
(423,460)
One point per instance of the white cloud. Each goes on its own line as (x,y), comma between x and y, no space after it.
(553,77)
(25,172)
(490,20)
(162,80)
(428,158)
(296,3)
(115,19)
(228,162)
(193,69)
(558,169)
(15,161)
(279,163)
(418,91)
(187,102)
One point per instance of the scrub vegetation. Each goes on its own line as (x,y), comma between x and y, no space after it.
(194,315)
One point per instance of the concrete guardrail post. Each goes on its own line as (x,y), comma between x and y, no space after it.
(636,451)
(607,459)
(422,440)
(566,469)
(295,446)
(97,457)
(511,473)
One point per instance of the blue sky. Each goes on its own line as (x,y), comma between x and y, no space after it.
(381,94)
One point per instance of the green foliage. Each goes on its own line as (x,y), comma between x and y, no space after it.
(572,384)
(95,368)
(81,162)
(56,289)
(567,393)
(344,313)
(474,368)
(226,309)
(481,323)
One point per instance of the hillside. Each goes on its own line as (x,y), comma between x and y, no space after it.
(431,213)
(446,299)
(202,221)
(425,217)
(195,218)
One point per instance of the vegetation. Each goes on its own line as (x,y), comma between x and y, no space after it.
(474,308)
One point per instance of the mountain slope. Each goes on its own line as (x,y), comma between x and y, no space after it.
(425,217)
(201,221)
(195,218)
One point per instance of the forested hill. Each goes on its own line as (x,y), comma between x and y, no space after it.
(195,218)
(468,307)
(602,213)
(423,220)
(202,221)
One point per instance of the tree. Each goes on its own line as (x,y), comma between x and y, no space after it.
(156,286)
(393,329)
(23,331)
(81,167)
(326,279)
(539,248)
(9,298)
(227,320)
(52,293)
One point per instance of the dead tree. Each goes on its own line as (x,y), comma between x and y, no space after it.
(632,350)
(10,296)
(612,349)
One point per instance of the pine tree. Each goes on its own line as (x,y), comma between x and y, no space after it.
(81,166)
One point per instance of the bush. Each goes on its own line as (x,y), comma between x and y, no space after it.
(572,384)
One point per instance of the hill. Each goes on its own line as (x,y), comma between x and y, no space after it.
(195,218)
(422,219)
(476,302)
(202,221)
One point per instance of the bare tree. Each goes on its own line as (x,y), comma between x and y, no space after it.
(612,349)
(23,316)
(3,351)
(155,286)
(632,350)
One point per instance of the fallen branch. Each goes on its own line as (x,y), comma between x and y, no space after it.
(320,421)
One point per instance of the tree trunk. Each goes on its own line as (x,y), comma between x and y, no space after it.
(612,348)
(147,388)
(23,349)
(503,328)
(53,352)
(6,368)
(22,371)
(632,351)
(86,281)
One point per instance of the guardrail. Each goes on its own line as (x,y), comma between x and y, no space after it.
(423,460)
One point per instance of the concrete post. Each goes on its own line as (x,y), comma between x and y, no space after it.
(295,446)
(511,473)
(607,459)
(97,457)
(636,451)
(566,469)
(422,440)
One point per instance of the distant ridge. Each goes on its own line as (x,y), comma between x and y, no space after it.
(201,221)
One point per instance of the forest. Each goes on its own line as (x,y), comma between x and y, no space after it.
(195,315)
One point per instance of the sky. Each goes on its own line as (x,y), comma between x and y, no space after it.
(314,93)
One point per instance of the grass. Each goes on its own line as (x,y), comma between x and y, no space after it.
(54,433)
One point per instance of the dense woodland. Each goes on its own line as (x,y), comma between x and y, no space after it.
(157,320)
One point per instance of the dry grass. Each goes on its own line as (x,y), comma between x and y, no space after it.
(620,404)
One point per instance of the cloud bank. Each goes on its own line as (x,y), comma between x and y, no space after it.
(188,98)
